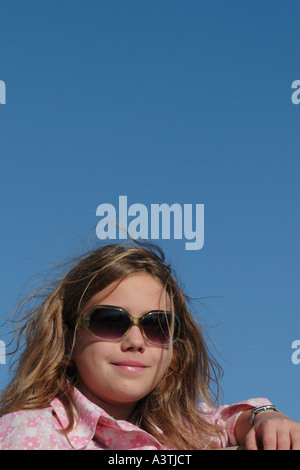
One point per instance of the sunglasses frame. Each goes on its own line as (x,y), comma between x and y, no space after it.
(85,322)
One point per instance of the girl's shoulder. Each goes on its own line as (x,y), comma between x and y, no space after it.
(32,418)
(29,430)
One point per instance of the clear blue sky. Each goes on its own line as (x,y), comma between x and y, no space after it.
(164,102)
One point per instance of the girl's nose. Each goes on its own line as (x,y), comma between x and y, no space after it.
(134,340)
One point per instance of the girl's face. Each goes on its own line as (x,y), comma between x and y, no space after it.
(117,374)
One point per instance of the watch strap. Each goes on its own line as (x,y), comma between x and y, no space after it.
(259,409)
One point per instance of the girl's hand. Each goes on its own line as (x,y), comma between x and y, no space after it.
(273,430)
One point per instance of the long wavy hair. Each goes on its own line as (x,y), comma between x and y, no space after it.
(45,371)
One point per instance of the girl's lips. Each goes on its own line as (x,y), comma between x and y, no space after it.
(130,366)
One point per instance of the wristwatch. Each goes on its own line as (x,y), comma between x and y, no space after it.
(255,411)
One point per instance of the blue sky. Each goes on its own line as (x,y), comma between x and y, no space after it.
(164,102)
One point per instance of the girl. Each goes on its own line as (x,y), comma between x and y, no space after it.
(114,360)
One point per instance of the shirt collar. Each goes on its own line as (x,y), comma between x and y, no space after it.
(89,414)
(94,420)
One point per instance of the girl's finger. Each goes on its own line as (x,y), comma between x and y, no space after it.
(251,441)
(295,441)
(269,439)
(283,440)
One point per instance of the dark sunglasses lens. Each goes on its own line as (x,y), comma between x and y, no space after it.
(109,323)
(158,327)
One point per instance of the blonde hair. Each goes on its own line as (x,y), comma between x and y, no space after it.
(44,372)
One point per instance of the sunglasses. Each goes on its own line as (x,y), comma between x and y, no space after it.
(112,323)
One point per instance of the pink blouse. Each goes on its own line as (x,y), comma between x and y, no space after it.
(96,430)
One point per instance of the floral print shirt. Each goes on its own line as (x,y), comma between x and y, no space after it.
(96,430)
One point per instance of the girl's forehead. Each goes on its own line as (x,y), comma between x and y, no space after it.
(137,290)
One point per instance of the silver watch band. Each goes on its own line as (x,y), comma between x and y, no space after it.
(255,411)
